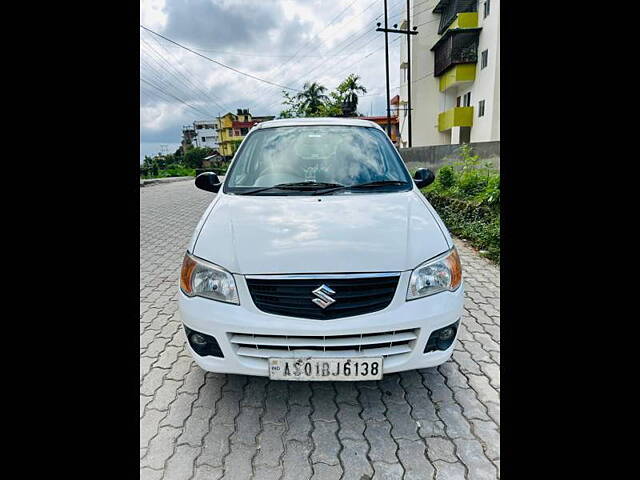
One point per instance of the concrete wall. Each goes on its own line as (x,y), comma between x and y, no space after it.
(436,156)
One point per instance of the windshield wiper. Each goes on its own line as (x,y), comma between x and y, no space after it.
(380,183)
(302,186)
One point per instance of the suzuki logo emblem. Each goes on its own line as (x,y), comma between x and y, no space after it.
(323,300)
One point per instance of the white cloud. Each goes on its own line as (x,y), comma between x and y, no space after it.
(152,14)
(257,37)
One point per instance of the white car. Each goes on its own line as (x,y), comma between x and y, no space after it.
(319,259)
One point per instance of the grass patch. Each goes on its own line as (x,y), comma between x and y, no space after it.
(466,195)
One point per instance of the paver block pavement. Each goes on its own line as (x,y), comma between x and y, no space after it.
(439,423)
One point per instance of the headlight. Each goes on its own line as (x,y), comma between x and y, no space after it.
(203,279)
(437,275)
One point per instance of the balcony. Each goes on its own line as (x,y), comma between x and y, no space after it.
(465,20)
(458,75)
(455,47)
(455,117)
(449,9)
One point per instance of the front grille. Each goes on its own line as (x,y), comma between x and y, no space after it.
(293,297)
(383,344)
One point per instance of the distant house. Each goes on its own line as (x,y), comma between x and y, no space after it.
(233,127)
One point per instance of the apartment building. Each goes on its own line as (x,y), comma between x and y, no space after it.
(206,133)
(455,73)
(201,133)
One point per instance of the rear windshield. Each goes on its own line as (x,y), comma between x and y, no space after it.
(340,155)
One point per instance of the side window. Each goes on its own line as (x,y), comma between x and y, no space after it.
(467,100)
(487,8)
(484,60)
(481,108)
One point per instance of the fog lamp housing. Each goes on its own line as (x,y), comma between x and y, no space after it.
(442,338)
(203,344)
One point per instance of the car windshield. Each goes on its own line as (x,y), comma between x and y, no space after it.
(311,159)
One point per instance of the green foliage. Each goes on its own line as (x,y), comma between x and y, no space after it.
(467,198)
(195,156)
(174,165)
(349,89)
(447,176)
(172,171)
(312,98)
(293,106)
(313,101)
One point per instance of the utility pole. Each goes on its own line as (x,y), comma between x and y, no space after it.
(408,32)
(386,62)
(409,69)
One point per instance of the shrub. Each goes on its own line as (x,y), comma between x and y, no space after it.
(478,224)
(447,176)
(468,201)
(471,183)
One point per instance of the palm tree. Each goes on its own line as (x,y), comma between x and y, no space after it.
(312,98)
(350,88)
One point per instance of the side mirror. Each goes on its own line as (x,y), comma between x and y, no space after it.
(208,181)
(423,177)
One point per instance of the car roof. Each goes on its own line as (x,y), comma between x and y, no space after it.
(297,122)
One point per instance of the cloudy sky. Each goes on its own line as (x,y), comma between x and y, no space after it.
(286,42)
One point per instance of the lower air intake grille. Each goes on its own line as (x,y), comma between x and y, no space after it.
(293,297)
(335,346)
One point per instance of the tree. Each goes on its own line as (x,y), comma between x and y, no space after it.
(312,101)
(349,88)
(195,156)
(312,98)
(294,108)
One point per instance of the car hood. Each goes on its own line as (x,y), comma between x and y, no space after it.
(347,233)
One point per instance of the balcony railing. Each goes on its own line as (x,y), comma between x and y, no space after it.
(458,75)
(455,47)
(455,117)
(448,9)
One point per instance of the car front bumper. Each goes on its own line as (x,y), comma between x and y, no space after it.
(222,321)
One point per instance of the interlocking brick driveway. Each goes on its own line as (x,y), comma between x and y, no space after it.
(432,423)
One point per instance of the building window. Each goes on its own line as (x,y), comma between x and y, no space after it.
(467,100)
(481,108)
(484,59)
(458,101)
(487,7)
(204,139)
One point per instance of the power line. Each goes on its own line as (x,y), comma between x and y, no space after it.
(211,96)
(173,96)
(220,63)
(362,34)
(181,85)
(279,70)
(163,81)
(243,54)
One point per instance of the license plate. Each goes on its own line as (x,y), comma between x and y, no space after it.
(327,369)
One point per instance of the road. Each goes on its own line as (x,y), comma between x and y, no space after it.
(428,424)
